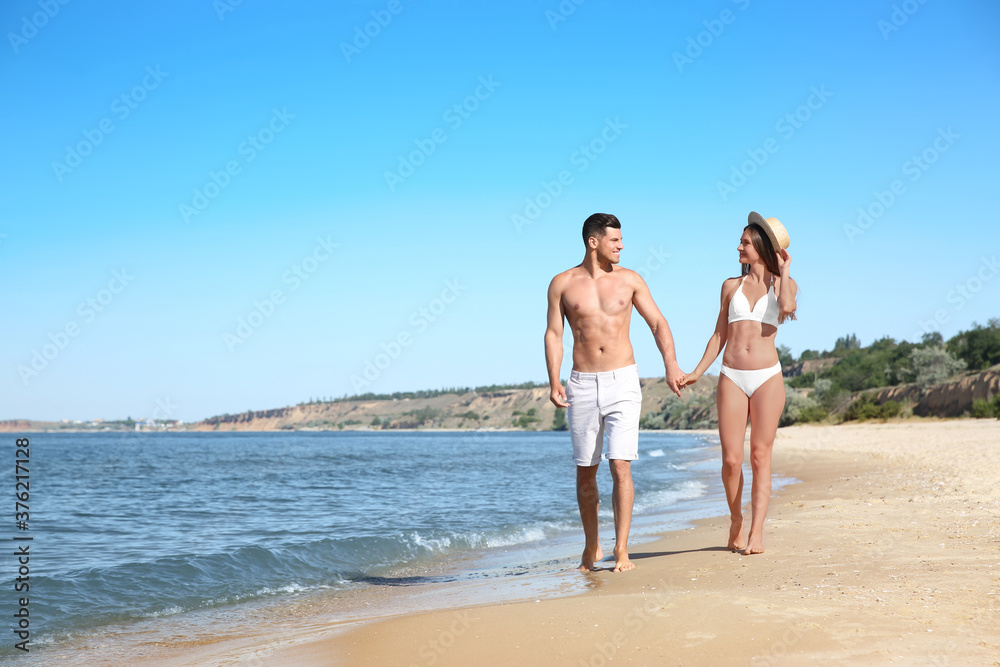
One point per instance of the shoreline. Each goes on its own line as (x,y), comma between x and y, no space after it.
(885,550)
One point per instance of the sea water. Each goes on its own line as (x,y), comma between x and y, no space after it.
(143,530)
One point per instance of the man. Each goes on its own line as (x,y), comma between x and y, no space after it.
(603,394)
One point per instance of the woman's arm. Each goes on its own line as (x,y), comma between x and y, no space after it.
(718,339)
(786,288)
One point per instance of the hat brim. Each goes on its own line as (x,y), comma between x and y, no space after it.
(757,219)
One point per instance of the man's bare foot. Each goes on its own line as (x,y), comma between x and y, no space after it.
(736,534)
(589,558)
(622,563)
(755,545)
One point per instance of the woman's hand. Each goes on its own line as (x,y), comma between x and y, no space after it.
(688,379)
(784,261)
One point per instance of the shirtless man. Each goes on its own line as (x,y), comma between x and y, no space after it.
(603,394)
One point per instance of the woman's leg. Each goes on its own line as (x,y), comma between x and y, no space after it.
(733,407)
(766,407)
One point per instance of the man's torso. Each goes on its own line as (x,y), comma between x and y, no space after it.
(599,311)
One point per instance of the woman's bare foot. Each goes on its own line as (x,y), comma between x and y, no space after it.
(622,563)
(736,534)
(589,558)
(755,545)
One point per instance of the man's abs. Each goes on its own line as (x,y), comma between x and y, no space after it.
(606,355)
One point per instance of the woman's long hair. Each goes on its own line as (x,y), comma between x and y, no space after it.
(762,244)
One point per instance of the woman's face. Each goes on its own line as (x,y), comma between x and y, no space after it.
(748,254)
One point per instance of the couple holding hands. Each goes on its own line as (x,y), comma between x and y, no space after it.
(603,396)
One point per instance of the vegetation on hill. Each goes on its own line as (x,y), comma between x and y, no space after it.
(842,389)
(425,393)
(886,363)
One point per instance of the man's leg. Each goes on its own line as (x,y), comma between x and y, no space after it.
(589,501)
(623,496)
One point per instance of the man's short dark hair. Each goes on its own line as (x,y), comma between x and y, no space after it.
(597,225)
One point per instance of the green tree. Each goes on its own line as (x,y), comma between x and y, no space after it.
(932,338)
(846,344)
(979,347)
(933,364)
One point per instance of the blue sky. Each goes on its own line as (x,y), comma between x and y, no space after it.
(217,207)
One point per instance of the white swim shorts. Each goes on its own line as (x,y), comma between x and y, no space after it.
(599,403)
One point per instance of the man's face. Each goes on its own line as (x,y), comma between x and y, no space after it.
(610,245)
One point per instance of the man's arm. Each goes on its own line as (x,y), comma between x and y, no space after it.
(644,303)
(553,343)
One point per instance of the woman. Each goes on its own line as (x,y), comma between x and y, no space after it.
(751,384)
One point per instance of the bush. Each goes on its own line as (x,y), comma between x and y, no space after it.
(864,407)
(559,420)
(982,409)
(423,414)
(694,411)
(800,409)
(933,365)
(525,421)
(813,413)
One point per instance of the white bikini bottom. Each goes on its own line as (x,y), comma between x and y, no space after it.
(750,381)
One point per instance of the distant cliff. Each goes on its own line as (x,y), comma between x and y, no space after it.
(950,399)
(528,409)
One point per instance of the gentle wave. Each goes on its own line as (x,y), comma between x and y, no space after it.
(331,512)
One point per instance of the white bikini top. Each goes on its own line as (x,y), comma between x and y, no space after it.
(739,307)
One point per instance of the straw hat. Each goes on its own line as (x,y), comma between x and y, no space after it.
(775,231)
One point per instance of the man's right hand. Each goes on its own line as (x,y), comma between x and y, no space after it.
(558,397)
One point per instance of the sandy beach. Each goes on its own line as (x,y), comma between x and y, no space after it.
(887,552)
